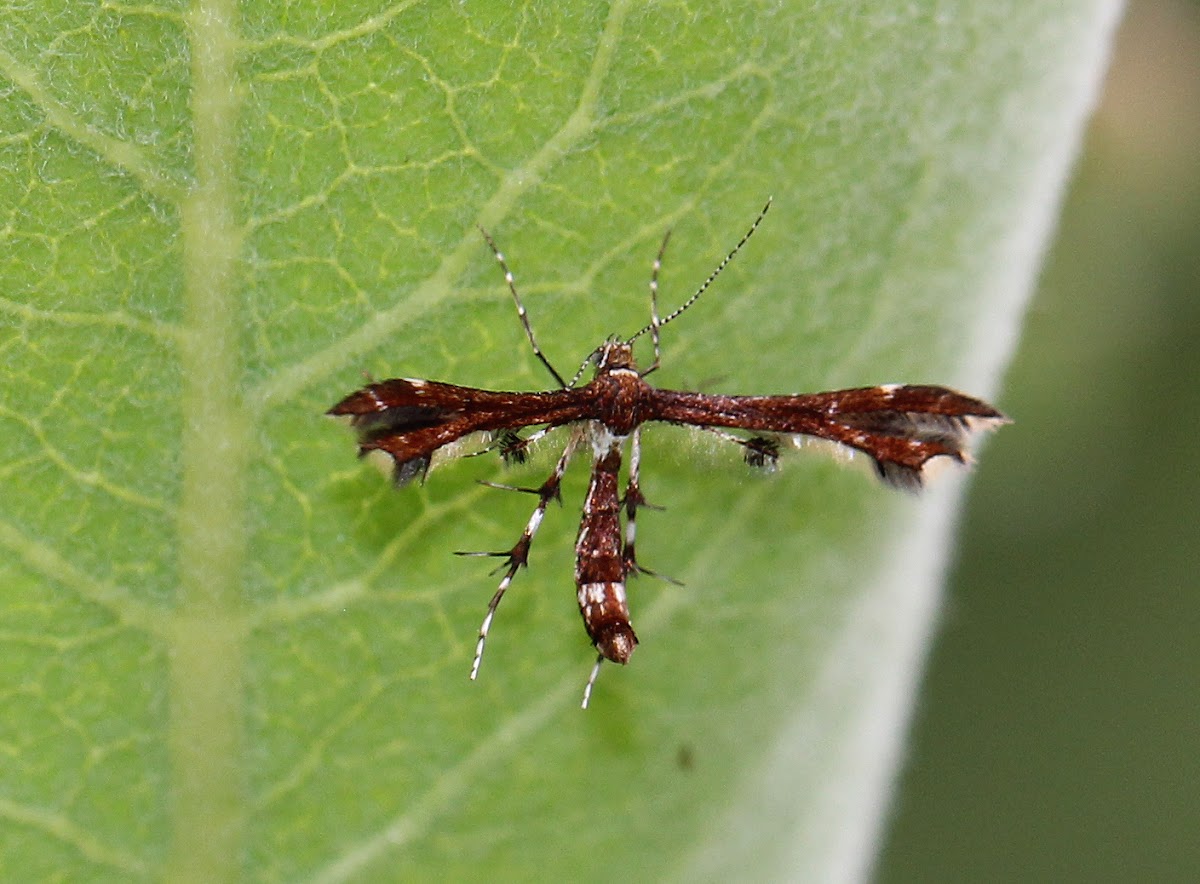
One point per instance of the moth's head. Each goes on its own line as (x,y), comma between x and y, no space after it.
(613,355)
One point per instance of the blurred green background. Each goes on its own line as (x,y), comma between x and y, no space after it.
(1057,737)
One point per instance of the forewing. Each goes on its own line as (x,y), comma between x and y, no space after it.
(410,419)
(901,428)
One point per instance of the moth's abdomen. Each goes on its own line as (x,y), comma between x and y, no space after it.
(599,566)
(606,619)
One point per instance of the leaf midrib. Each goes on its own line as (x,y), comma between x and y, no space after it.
(205,637)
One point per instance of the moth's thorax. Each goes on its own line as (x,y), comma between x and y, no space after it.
(620,394)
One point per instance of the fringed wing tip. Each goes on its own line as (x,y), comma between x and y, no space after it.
(899,476)
(406,471)
(954,433)
(400,472)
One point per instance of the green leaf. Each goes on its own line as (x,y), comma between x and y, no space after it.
(231,651)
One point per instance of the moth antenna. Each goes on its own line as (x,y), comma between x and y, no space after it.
(512,287)
(654,326)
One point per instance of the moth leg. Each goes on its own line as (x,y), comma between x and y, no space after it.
(587,690)
(512,287)
(518,556)
(656,322)
(513,447)
(760,452)
(633,501)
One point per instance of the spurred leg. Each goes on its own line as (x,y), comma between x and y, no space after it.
(518,556)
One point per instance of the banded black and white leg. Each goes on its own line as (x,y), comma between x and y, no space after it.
(633,501)
(513,448)
(760,452)
(512,287)
(518,556)
(655,321)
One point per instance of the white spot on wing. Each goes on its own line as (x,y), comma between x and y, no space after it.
(838,451)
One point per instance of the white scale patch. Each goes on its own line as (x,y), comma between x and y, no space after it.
(603,439)
(597,593)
